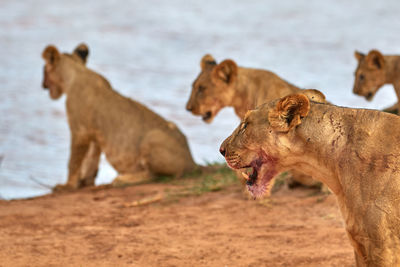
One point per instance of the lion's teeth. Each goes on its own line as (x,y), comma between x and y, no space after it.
(245,176)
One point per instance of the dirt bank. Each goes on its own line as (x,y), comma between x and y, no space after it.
(103,227)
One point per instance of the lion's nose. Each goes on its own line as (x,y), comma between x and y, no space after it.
(189,107)
(222,151)
(44,85)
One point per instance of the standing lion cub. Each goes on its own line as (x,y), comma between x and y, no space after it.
(137,142)
(355,152)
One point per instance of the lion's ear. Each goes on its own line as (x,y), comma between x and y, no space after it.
(288,112)
(314,95)
(51,54)
(82,51)
(206,61)
(375,60)
(225,71)
(358,55)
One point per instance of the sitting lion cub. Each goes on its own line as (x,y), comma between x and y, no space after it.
(373,71)
(353,151)
(225,84)
(137,142)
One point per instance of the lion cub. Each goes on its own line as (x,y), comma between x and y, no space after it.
(227,85)
(355,152)
(373,71)
(137,142)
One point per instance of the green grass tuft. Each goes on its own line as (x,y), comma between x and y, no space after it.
(211,178)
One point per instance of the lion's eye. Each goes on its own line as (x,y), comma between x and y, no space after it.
(244,126)
(361,77)
(201,88)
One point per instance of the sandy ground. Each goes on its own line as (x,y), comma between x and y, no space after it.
(102,227)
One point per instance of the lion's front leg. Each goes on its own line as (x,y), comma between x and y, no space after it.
(90,165)
(392,109)
(79,148)
(359,250)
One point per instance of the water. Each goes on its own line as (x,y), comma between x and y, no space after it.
(151,50)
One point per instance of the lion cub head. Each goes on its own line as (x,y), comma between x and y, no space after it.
(265,140)
(213,89)
(58,63)
(370,74)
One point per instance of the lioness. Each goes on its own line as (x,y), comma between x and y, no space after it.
(353,151)
(225,84)
(137,142)
(373,71)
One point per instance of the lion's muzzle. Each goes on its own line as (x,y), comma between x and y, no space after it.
(222,150)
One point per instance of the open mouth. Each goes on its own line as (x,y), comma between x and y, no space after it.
(207,116)
(259,174)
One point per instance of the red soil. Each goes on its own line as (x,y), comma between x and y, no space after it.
(101,227)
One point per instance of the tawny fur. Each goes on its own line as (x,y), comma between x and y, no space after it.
(227,85)
(375,70)
(353,151)
(137,142)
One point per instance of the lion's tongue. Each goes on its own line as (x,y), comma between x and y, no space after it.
(252,177)
(260,179)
